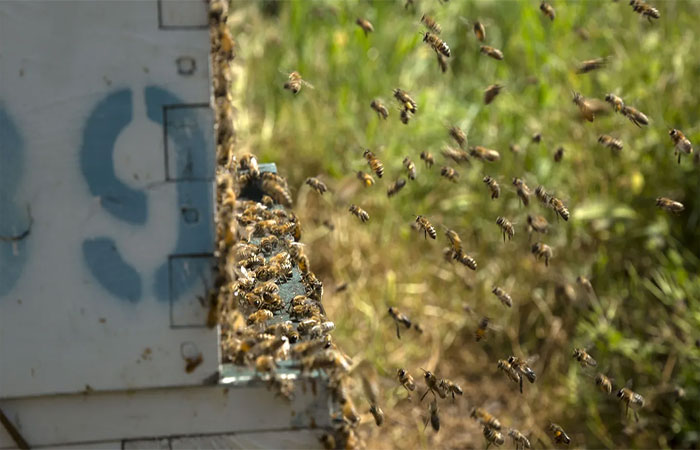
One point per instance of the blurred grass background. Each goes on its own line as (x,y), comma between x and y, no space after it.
(642,326)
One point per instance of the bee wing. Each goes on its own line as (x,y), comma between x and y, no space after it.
(307,84)
(532,359)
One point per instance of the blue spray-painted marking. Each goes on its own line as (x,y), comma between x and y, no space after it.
(106,122)
(14,219)
(185,131)
(113,273)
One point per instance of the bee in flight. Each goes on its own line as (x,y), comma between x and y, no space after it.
(434,417)
(491,92)
(523,368)
(295,82)
(367,179)
(590,65)
(522,190)
(610,142)
(406,380)
(433,384)
(428,158)
(399,319)
(635,116)
(681,143)
(484,154)
(631,399)
(449,173)
(410,167)
(493,437)
(538,224)
(436,43)
(395,187)
(670,205)
(365,24)
(455,240)
(503,296)
(317,185)
(559,436)
(559,154)
(427,227)
(482,329)
(479,31)
(506,227)
(513,374)
(359,213)
(430,24)
(374,163)
(615,101)
(493,187)
(604,383)
(459,136)
(377,413)
(521,442)
(541,250)
(584,358)
(379,107)
(559,207)
(646,10)
(464,259)
(405,100)
(584,107)
(547,10)
(492,52)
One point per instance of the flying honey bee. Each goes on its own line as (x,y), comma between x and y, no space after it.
(681,143)
(379,107)
(521,442)
(631,399)
(459,136)
(456,154)
(374,163)
(590,65)
(584,358)
(367,179)
(493,187)
(541,250)
(482,329)
(399,319)
(503,296)
(365,24)
(492,52)
(493,437)
(670,205)
(479,31)
(437,44)
(559,154)
(465,259)
(428,158)
(536,137)
(522,190)
(635,116)
(485,418)
(405,116)
(583,106)
(278,192)
(405,100)
(449,173)
(491,92)
(559,207)
(442,62)
(395,187)
(542,195)
(377,413)
(451,387)
(513,374)
(506,227)
(359,213)
(430,24)
(615,101)
(604,383)
(559,436)
(434,417)
(295,82)
(317,185)
(610,142)
(538,224)
(646,10)
(523,368)
(406,380)
(410,167)
(547,10)
(455,240)
(484,154)
(427,227)
(433,384)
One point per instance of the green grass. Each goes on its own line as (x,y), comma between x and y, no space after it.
(645,320)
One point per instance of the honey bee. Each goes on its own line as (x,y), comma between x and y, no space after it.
(493,437)
(407,103)
(465,259)
(433,384)
(395,187)
(374,163)
(493,187)
(451,387)
(536,137)
(427,227)
(250,163)
(631,399)
(430,24)
(519,439)
(485,418)
(492,52)
(405,116)
(359,213)
(610,142)
(491,92)
(542,195)
(604,383)
(559,154)
(449,173)
(503,296)
(646,10)
(428,158)
(454,239)
(506,227)
(615,101)
(482,329)
(484,154)
(681,143)
(523,368)
(317,185)
(584,358)
(559,207)
(265,363)
(365,24)
(379,107)
(513,374)
(268,243)
(399,319)
(541,250)
(410,168)
(377,413)
(459,136)
(635,116)
(584,107)
(559,436)
(259,317)
(590,65)
(437,44)
(457,155)
(479,31)
(547,10)
(522,190)
(295,82)
(442,62)
(670,205)
(538,224)
(367,179)
(406,380)
(434,417)
(278,193)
